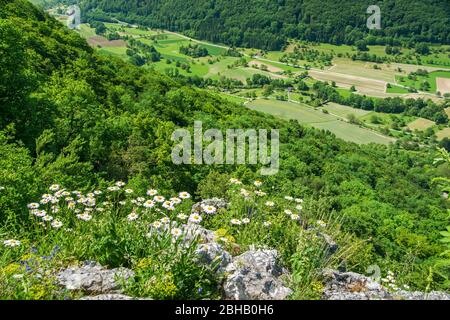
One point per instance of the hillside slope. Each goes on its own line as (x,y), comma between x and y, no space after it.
(74,118)
(267,24)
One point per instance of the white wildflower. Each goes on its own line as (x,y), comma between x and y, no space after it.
(195,218)
(11,243)
(184,195)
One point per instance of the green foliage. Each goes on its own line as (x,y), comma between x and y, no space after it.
(267,24)
(72,117)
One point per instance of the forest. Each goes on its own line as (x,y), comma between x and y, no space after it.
(268,24)
(74,118)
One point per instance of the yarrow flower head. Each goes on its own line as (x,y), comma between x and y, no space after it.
(295,217)
(299,200)
(289,198)
(267,224)
(246,221)
(195,218)
(11,243)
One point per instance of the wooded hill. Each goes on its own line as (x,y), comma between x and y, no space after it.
(267,24)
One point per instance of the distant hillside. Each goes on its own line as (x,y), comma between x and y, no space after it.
(267,24)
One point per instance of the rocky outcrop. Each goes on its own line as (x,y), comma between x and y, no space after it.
(354,286)
(93,278)
(255,275)
(108,297)
(213,255)
(196,232)
(417,295)
(351,286)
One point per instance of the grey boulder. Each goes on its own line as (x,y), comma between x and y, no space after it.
(93,278)
(255,275)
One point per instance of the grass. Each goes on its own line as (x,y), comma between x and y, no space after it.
(431,78)
(120,52)
(316,118)
(396,89)
(444,133)
(421,124)
(86,31)
(242,74)
(344,111)
(229,97)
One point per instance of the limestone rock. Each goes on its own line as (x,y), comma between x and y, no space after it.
(255,275)
(107,296)
(214,255)
(93,278)
(354,286)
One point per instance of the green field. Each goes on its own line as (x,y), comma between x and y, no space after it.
(396,89)
(229,97)
(431,78)
(444,133)
(344,111)
(120,52)
(421,124)
(316,118)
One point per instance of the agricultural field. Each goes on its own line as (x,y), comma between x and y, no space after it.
(444,133)
(316,118)
(396,89)
(436,79)
(344,111)
(363,85)
(345,73)
(421,124)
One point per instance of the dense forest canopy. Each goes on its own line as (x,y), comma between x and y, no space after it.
(73,117)
(268,24)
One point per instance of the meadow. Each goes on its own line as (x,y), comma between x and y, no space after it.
(318,119)
(345,73)
(431,78)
